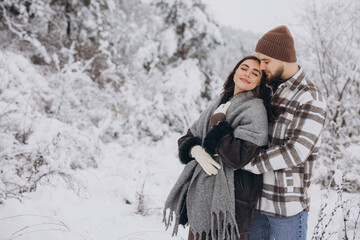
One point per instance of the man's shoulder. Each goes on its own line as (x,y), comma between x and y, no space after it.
(308,91)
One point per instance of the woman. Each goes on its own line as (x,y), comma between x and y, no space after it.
(226,136)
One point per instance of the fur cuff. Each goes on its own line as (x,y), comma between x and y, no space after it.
(215,135)
(184,149)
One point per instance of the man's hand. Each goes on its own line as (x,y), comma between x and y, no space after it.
(209,165)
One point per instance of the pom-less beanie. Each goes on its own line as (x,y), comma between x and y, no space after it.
(277,43)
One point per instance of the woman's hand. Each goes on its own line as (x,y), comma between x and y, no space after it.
(222,108)
(219,113)
(209,165)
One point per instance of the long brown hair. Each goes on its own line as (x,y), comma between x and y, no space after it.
(262,91)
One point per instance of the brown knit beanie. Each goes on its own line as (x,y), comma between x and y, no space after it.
(277,43)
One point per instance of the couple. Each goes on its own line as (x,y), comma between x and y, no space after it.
(250,155)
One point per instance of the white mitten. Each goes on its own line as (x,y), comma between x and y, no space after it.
(209,165)
(222,108)
(219,113)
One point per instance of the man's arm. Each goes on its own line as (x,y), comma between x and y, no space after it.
(234,152)
(302,135)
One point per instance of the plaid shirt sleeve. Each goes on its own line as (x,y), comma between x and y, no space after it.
(301,137)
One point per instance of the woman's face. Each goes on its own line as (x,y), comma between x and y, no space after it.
(247,76)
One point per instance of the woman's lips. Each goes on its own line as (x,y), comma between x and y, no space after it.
(245,80)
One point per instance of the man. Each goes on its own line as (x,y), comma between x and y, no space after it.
(294,141)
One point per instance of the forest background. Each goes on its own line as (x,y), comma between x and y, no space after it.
(95,93)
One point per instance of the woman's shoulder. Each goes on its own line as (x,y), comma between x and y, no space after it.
(245,97)
(249,109)
(250,101)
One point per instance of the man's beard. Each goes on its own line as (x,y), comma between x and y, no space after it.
(276,76)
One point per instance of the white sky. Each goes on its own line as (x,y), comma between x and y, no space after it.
(257,16)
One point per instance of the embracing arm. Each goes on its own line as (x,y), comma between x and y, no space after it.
(238,145)
(301,138)
(234,152)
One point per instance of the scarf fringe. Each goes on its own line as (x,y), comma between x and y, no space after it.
(169,219)
(222,227)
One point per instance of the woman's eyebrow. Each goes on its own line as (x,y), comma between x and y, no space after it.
(257,70)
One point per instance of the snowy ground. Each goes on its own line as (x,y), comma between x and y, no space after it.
(107,205)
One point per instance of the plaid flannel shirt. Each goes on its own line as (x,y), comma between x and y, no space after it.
(294,141)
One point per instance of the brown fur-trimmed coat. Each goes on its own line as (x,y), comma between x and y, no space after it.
(236,153)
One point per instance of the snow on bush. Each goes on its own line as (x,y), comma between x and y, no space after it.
(52,125)
(41,135)
(158,104)
(339,211)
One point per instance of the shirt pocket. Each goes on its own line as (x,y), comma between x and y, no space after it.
(279,130)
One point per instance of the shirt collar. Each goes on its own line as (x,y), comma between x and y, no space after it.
(295,80)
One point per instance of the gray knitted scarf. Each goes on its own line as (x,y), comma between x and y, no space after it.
(210,200)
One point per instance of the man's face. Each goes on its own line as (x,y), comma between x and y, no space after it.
(272,67)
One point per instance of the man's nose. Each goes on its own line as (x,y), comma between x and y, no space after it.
(262,66)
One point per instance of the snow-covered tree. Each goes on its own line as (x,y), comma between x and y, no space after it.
(53,27)
(236,45)
(95,72)
(190,29)
(332,46)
